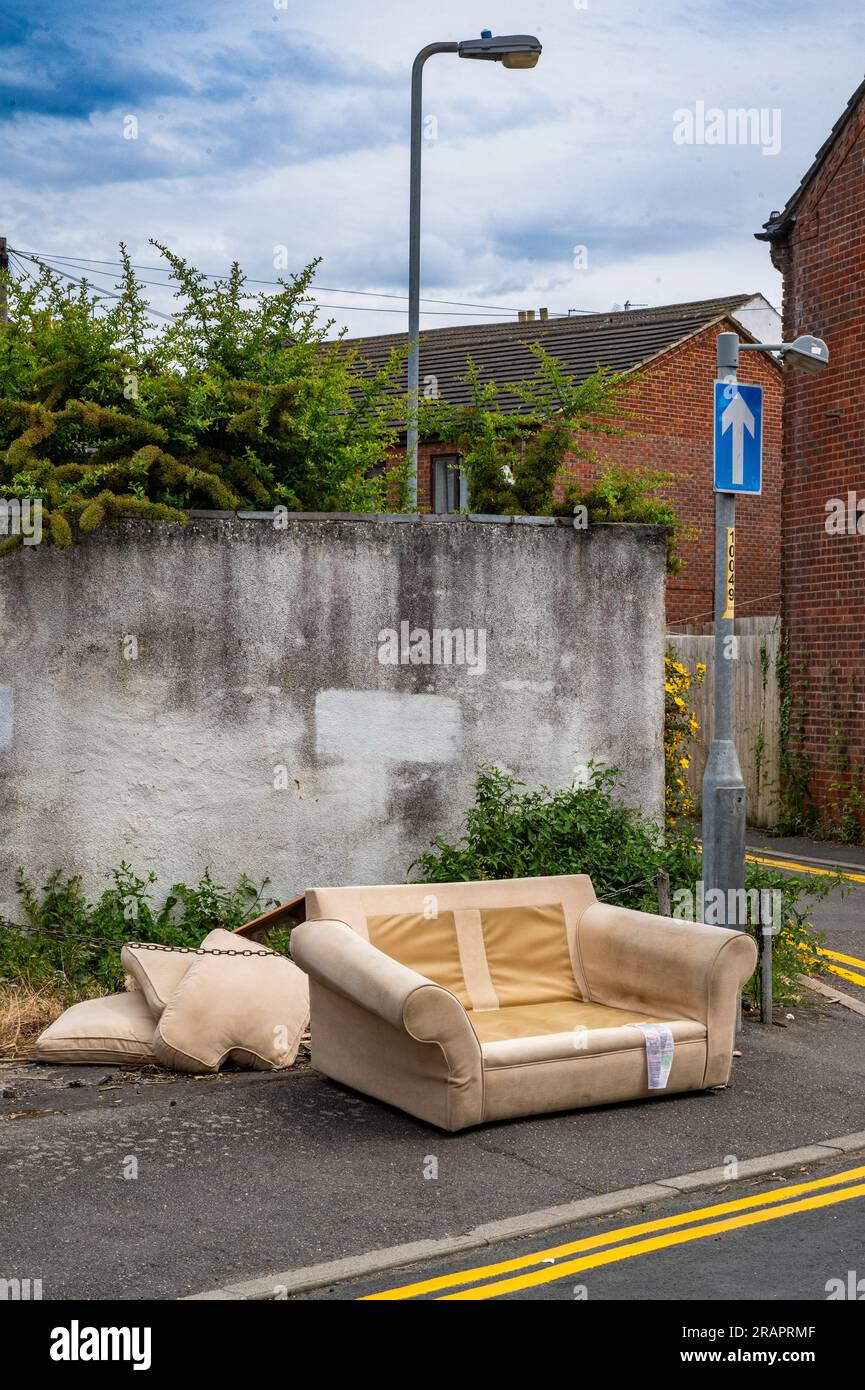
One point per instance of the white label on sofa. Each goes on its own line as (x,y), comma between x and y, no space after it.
(377,726)
(659,1053)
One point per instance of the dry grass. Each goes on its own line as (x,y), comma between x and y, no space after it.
(25,1010)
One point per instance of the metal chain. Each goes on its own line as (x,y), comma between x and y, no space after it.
(193,950)
(619,892)
(133,945)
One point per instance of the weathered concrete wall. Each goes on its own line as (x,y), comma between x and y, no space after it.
(155,679)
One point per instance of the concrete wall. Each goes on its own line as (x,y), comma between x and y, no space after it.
(214,695)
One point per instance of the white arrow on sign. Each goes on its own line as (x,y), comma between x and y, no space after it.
(738,417)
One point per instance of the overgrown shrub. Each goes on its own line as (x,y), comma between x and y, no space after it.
(634,495)
(238,402)
(515,459)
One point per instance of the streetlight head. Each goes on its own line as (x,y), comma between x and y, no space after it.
(807,353)
(511,50)
(522,60)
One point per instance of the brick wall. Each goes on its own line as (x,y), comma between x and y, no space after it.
(823,575)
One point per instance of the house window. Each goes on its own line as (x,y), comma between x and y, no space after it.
(448,489)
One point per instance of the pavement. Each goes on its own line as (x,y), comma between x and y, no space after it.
(147,1186)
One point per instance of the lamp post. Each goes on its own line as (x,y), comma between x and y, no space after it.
(512,51)
(724,808)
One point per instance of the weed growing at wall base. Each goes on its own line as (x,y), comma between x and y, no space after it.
(127,910)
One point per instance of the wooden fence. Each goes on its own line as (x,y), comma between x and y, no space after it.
(756,708)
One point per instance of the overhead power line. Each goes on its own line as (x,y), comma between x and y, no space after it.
(104,293)
(160,284)
(84,262)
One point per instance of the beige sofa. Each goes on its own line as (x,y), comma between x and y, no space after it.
(463,1003)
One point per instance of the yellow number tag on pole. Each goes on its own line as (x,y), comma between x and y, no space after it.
(730,576)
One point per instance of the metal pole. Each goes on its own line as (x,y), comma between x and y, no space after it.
(414,258)
(766,975)
(723,787)
(4,267)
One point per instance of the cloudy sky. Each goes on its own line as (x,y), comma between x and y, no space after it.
(275,131)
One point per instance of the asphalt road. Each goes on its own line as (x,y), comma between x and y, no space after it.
(840,916)
(784,1253)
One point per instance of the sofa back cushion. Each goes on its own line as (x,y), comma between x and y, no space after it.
(429,945)
(494,944)
(527,954)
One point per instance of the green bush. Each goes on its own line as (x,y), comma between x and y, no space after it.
(633,495)
(514,460)
(513,833)
(126,911)
(238,402)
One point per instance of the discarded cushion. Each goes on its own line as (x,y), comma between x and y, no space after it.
(116,1029)
(156,973)
(251,1010)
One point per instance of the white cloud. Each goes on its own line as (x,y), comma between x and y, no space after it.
(295,134)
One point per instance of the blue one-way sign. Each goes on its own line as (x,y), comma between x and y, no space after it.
(738,437)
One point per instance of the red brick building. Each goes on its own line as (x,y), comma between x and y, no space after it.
(818,243)
(671,353)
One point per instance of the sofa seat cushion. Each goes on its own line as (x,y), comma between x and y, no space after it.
(113,1030)
(567,1029)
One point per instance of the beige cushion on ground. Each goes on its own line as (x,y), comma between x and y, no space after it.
(156,973)
(116,1029)
(248,1009)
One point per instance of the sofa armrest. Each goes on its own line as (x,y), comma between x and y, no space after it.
(388,1031)
(336,957)
(663,965)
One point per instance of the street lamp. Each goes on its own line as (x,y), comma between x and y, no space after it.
(723,788)
(512,51)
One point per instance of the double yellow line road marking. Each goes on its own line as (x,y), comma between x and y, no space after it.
(852,975)
(547,1266)
(817,870)
(855,977)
